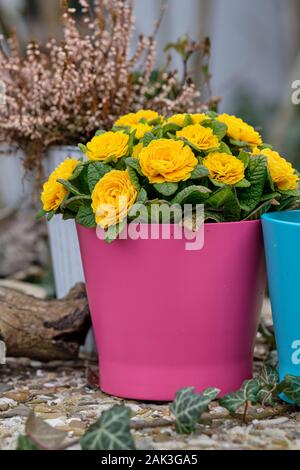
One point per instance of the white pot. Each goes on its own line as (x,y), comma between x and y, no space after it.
(14,186)
(64,245)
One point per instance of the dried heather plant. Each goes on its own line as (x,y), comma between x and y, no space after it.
(64,94)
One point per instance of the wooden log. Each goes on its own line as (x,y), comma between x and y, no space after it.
(44,329)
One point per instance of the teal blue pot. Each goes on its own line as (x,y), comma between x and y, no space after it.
(282,247)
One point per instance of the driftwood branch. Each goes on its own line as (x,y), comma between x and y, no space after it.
(43,329)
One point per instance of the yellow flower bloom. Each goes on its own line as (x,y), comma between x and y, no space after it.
(112,198)
(110,144)
(141,130)
(166,160)
(53,192)
(240,130)
(177,119)
(281,171)
(198,118)
(224,168)
(202,137)
(137,149)
(132,119)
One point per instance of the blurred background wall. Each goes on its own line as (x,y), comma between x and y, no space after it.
(255,52)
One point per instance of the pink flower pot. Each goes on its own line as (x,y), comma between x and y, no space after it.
(166,318)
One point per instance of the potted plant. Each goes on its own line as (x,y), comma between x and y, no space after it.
(57,98)
(165,317)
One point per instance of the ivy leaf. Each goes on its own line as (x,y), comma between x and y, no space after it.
(188,407)
(96,170)
(114,231)
(191,194)
(86,216)
(268,380)
(256,174)
(134,178)
(290,387)
(248,392)
(135,164)
(166,189)
(110,432)
(268,375)
(24,443)
(43,435)
(199,171)
(70,187)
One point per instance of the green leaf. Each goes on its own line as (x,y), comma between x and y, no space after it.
(114,231)
(96,170)
(166,189)
(86,216)
(142,196)
(256,174)
(239,143)
(73,203)
(135,164)
(83,148)
(192,193)
(171,127)
(243,184)
(219,128)
(134,178)
(148,137)
(188,120)
(199,172)
(248,392)
(100,132)
(290,387)
(76,172)
(40,214)
(211,114)
(244,157)
(268,375)
(24,443)
(188,407)
(290,193)
(213,216)
(70,187)
(270,196)
(110,432)
(224,148)
(225,200)
(50,215)
(261,209)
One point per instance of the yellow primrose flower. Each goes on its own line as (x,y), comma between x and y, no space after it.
(137,149)
(53,192)
(132,119)
(167,160)
(177,119)
(281,171)
(141,130)
(110,144)
(112,198)
(224,168)
(240,130)
(198,118)
(202,137)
